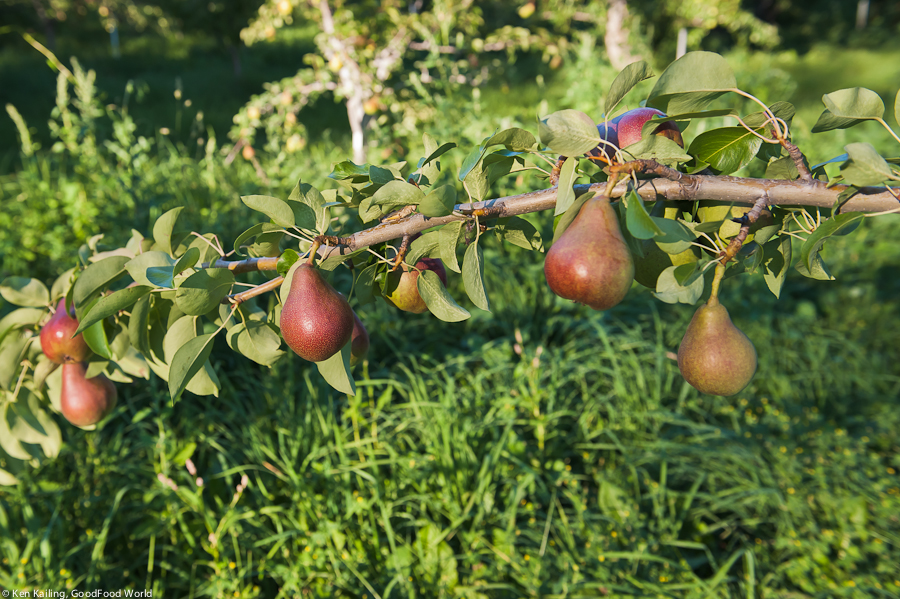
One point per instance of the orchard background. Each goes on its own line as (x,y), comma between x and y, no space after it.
(541,449)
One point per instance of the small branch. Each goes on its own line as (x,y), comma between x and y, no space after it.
(401,253)
(748,219)
(239,298)
(242,266)
(554,172)
(798,158)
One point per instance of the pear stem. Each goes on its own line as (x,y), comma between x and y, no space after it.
(717,280)
(313,250)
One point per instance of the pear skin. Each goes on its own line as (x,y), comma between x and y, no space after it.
(359,341)
(590,263)
(715,357)
(402,290)
(85,401)
(316,321)
(57,342)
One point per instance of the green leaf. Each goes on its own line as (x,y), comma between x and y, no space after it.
(95,337)
(473,276)
(477,182)
(336,371)
(187,362)
(674,237)
(286,260)
(439,302)
(164,228)
(426,246)
(312,198)
(897,108)
(139,266)
(11,351)
(7,479)
(813,244)
(691,83)
(520,232)
(436,153)
(817,271)
(111,304)
(256,340)
(624,82)
(659,148)
(278,210)
(782,168)
(515,139)
(783,110)
(203,290)
(440,202)
(776,262)
(23,317)
(365,284)
(865,166)
(256,230)
(397,194)
(638,221)
(139,325)
(562,222)
(23,291)
(448,240)
(470,162)
(96,276)
(669,290)
(726,149)
(569,132)
(854,103)
(565,192)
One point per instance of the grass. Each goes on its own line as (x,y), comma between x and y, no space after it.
(540,450)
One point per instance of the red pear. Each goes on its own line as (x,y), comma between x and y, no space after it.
(85,401)
(625,130)
(57,341)
(402,290)
(359,341)
(316,321)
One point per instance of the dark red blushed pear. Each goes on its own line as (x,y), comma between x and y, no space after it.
(403,292)
(715,356)
(590,263)
(316,320)
(85,401)
(359,341)
(625,130)
(57,341)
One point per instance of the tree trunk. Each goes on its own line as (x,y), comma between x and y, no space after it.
(862,14)
(618,50)
(681,49)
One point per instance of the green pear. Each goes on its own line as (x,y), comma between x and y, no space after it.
(316,321)
(57,341)
(359,341)
(402,290)
(590,263)
(85,401)
(648,267)
(715,357)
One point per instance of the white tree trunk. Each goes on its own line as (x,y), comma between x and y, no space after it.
(616,39)
(681,49)
(862,14)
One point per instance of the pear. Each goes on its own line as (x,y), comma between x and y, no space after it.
(316,320)
(57,341)
(85,401)
(715,357)
(359,341)
(648,268)
(625,130)
(590,263)
(402,290)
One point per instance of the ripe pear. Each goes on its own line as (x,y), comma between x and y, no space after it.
(715,357)
(57,341)
(402,291)
(625,130)
(85,401)
(590,263)
(359,341)
(316,320)
(648,268)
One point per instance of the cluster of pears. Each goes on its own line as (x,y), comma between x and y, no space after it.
(317,321)
(83,401)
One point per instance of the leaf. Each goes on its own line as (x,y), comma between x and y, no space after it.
(674,237)
(187,260)
(426,246)
(203,290)
(448,239)
(638,221)
(659,148)
(164,227)
(96,276)
(440,202)
(727,149)
(854,103)
(187,362)
(624,82)
(286,260)
(782,168)
(437,153)
(669,290)
(256,340)
(95,337)
(22,291)
(809,251)
(562,223)
(691,83)
(818,271)
(473,276)
(470,162)
(278,210)
(897,108)
(256,230)
(565,192)
(17,319)
(140,265)
(304,193)
(111,304)
(520,232)
(397,194)
(477,182)
(865,167)
(365,284)
(776,262)
(783,110)
(336,371)
(569,132)
(139,325)
(439,302)
(515,139)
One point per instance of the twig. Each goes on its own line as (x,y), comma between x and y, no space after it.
(748,219)
(242,266)
(401,253)
(798,158)
(239,298)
